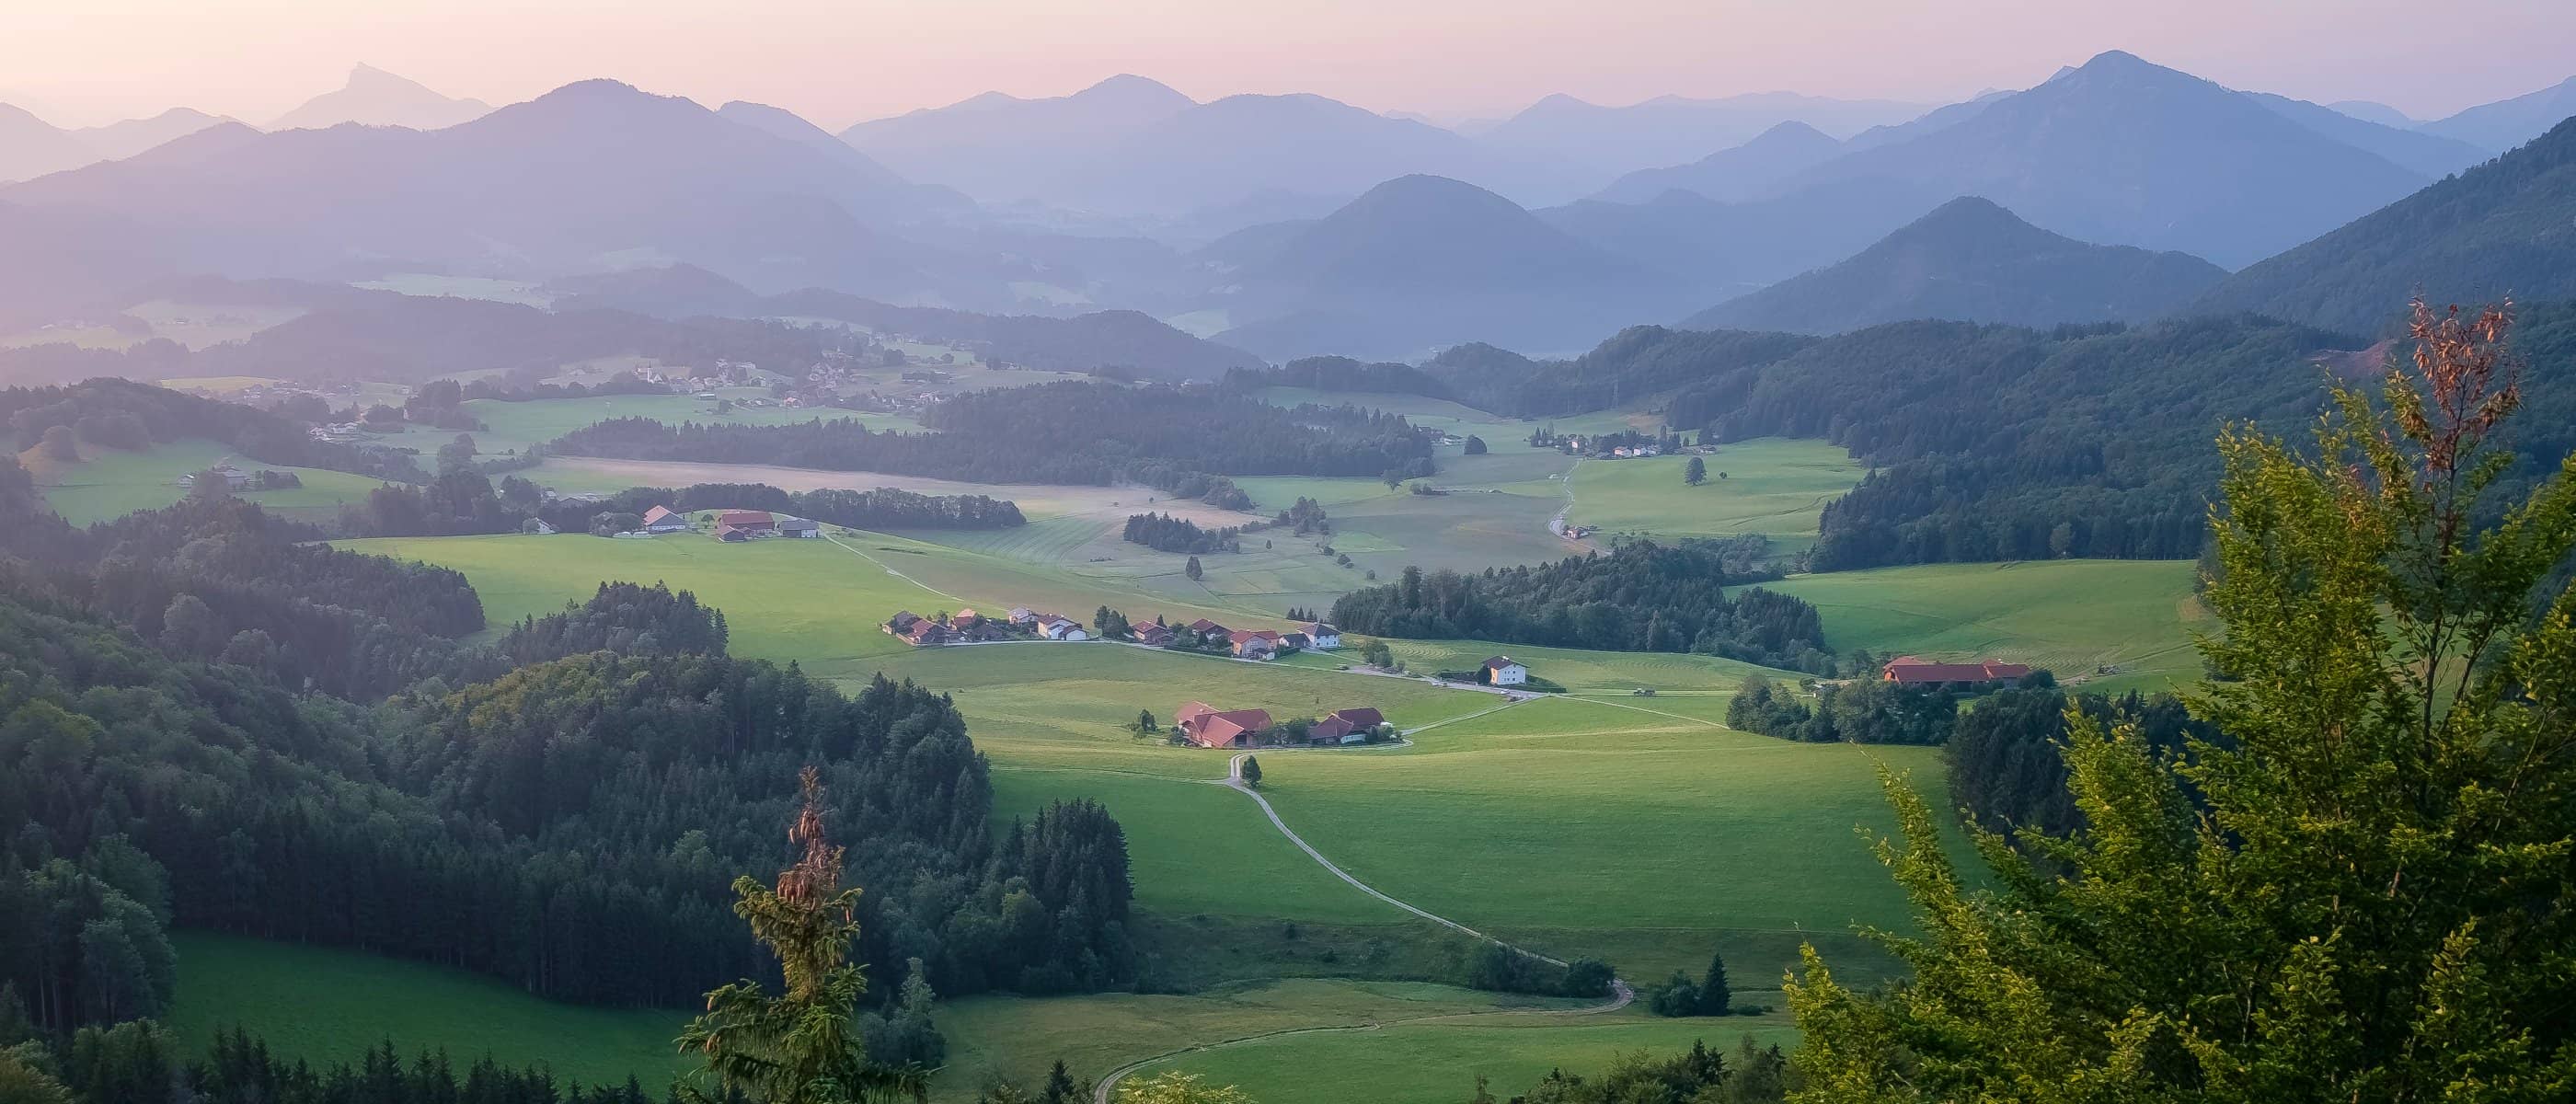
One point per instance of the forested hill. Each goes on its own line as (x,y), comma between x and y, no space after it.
(1184,440)
(2505,228)
(1972,261)
(1999,443)
(123,414)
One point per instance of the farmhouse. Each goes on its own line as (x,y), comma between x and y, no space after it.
(1320,636)
(1023,615)
(660,519)
(1916,671)
(1151,633)
(1501,671)
(803,528)
(1053,627)
(1209,631)
(1254,643)
(925,632)
(1205,726)
(234,478)
(747,522)
(1330,730)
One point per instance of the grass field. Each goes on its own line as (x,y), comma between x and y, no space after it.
(513,426)
(112,483)
(1772,486)
(325,1005)
(194,325)
(2071,616)
(1437,1062)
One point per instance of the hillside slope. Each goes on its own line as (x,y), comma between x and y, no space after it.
(1971,261)
(2507,227)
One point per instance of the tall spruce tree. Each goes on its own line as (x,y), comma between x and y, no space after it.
(2368,891)
(801,1046)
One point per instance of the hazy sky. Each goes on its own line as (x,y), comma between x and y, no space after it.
(839,61)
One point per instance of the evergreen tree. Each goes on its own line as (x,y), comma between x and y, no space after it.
(797,1047)
(1251,771)
(1193,570)
(1145,720)
(1060,1087)
(1695,472)
(2364,893)
(1475,445)
(1715,999)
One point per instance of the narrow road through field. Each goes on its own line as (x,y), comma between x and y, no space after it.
(1621,993)
(1556,524)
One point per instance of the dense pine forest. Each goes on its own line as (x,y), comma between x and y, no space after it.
(1178,439)
(1643,597)
(1165,533)
(882,508)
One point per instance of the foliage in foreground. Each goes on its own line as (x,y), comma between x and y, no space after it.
(801,1046)
(2372,897)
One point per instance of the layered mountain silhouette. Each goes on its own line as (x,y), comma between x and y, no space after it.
(1000,148)
(2125,152)
(377,98)
(1423,261)
(2504,228)
(2430,154)
(2505,124)
(1672,130)
(30,147)
(592,175)
(1971,261)
(1749,171)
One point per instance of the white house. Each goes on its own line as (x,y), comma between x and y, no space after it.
(1501,671)
(1321,637)
(1057,628)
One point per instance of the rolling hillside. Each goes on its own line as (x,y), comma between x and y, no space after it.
(1748,171)
(1971,261)
(2507,227)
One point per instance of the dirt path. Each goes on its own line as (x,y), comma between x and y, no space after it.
(1621,993)
(889,569)
(1556,524)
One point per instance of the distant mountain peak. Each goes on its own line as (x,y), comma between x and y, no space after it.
(376,97)
(1129,87)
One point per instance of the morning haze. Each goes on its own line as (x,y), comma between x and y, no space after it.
(1182,553)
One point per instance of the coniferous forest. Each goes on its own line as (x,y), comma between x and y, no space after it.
(1643,597)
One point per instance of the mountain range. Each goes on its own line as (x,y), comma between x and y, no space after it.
(374,97)
(2505,228)
(2505,124)
(1971,261)
(1670,130)
(1737,173)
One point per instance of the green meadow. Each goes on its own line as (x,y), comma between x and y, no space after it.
(1773,486)
(2116,624)
(326,1005)
(513,426)
(112,483)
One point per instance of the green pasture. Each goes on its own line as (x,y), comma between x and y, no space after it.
(2116,624)
(1438,1061)
(112,483)
(513,426)
(1775,486)
(323,1005)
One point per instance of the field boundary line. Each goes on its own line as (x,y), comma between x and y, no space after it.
(889,569)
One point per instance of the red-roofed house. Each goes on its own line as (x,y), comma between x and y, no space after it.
(1232,728)
(1254,643)
(1209,631)
(1330,730)
(1366,718)
(1916,671)
(747,522)
(1501,671)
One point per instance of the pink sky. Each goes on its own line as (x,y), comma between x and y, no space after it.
(839,61)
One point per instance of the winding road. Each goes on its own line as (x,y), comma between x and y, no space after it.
(1621,993)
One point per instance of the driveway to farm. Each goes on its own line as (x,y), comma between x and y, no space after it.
(1621,993)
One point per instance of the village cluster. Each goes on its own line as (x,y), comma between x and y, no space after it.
(968,627)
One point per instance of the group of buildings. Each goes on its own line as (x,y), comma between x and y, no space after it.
(1203,725)
(969,627)
(1241,643)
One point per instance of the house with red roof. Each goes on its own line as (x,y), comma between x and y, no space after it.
(1917,671)
(1254,643)
(1206,726)
(747,522)
(1501,671)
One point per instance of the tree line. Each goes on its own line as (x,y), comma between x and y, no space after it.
(1184,440)
(124,414)
(1642,597)
(1165,533)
